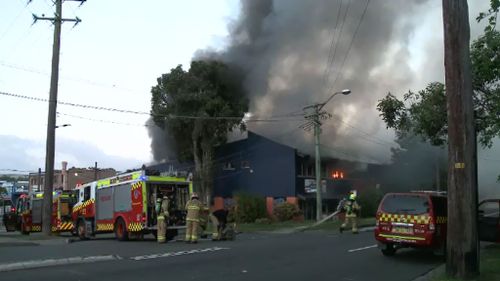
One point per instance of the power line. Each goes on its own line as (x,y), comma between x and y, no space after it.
(12,23)
(172,116)
(331,52)
(102,120)
(350,44)
(376,139)
(339,37)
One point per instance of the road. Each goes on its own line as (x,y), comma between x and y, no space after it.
(263,256)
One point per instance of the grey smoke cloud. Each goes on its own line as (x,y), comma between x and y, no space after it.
(283,48)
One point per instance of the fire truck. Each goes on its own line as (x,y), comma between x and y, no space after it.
(125,205)
(29,212)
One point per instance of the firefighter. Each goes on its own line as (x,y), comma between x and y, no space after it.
(193,208)
(219,221)
(162,205)
(351,208)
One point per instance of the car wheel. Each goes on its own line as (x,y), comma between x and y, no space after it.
(121,232)
(388,250)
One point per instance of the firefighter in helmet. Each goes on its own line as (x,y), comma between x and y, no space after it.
(351,208)
(162,205)
(193,208)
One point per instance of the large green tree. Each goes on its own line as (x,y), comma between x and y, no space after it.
(198,108)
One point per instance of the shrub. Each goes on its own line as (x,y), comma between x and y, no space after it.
(263,221)
(286,211)
(369,200)
(249,208)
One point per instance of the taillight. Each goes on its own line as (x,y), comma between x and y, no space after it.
(13,210)
(144,217)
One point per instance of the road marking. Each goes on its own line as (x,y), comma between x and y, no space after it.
(361,249)
(174,254)
(55,262)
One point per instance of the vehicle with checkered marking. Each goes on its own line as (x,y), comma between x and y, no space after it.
(125,205)
(413,219)
(30,210)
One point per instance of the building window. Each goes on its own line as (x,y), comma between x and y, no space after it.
(228,166)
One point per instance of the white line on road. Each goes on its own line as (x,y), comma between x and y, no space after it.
(361,249)
(54,262)
(174,254)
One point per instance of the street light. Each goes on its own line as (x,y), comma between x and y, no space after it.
(314,120)
(63,125)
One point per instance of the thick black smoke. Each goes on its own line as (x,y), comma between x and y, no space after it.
(162,145)
(283,46)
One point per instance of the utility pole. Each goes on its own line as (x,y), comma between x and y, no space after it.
(57,20)
(314,120)
(95,171)
(462,242)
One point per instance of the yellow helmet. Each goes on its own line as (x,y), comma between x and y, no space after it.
(352,196)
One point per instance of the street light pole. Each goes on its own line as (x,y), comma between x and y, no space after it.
(314,119)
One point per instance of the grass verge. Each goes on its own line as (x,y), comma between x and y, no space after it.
(490,265)
(276,226)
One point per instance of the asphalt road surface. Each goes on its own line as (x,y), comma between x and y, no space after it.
(298,256)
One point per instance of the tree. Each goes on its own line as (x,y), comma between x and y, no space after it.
(198,108)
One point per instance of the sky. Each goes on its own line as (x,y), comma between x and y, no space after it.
(111,59)
(114,56)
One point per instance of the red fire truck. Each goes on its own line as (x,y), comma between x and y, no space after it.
(29,212)
(124,204)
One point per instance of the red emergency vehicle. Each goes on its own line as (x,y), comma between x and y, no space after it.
(413,219)
(29,212)
(124,204)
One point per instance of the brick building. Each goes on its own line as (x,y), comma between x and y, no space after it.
(69,178)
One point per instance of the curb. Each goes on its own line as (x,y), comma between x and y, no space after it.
(55,262)
(438,271)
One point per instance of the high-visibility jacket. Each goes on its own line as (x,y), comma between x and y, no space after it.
(351,208)
(193,208)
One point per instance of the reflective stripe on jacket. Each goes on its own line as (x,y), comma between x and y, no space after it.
(193,208)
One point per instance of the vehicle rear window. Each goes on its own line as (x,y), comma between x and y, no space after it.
(405,204)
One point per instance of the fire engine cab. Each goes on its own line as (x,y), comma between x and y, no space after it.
(124,204)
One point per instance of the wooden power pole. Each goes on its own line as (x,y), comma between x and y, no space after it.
(57,20)
(462,241)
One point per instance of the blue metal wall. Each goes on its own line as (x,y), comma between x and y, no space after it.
(270,171)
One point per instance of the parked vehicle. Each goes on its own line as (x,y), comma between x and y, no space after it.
(413,219)
(125,205)
(29,212)
(8,211)
(489,220)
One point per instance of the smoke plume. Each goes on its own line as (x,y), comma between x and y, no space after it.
(296,53)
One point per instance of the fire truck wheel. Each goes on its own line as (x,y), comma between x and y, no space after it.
(121,232)
(388,250)
(23,229)
(81,230)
